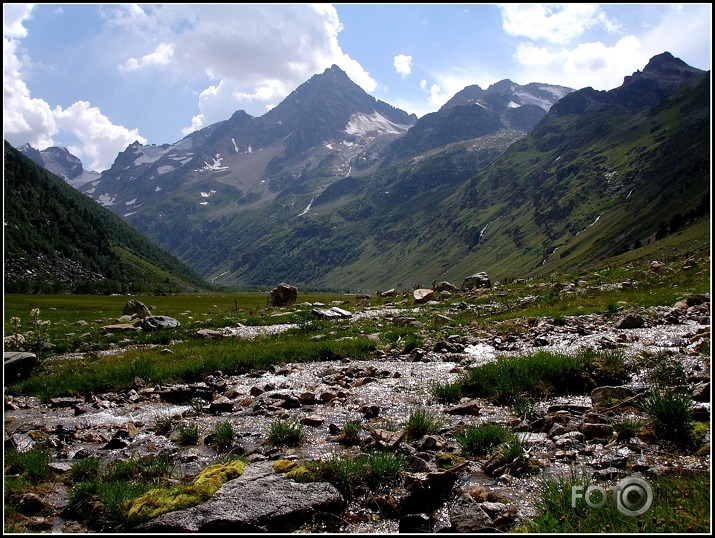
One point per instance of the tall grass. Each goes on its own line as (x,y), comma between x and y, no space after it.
(480,440)
(361,473)
(421,421)
(671,415)
(191,360)
(542,373)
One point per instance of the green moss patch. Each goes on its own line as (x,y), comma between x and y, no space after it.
(162,500)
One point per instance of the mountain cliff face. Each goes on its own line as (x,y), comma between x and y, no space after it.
(333,189)
(60,162)
(473,113)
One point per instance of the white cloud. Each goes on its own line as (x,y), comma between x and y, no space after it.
(13,16)
(403,65)
(24,119)
(253,54)
(33,121)
(100,140)
(555,23)
(161,56)
(588,64)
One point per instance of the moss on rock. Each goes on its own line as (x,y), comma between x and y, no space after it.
(162,500)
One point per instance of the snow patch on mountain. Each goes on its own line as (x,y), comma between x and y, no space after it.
(150,154)
(106,199)
(362,124)
(164,169)
(214,166)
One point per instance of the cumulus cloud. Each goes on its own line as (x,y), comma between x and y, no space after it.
(161,56)
(100,140)
(233,56)
(24,119)
(403,65)
(254,55)
(33,121)
(588,64)
(551,22)
(550,53)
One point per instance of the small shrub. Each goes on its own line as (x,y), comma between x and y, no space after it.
(513,449)
(627,428)
(523,407)
(33,465)
(422,422)
(285,433)
(671,414)
(356,474)
(164,424)
(447,392)
(350,432)
(477,440)
(84,470)
(188,434)
(223,434)
(666,372)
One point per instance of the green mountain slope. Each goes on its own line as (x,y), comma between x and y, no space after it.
(58,240)
(583,186)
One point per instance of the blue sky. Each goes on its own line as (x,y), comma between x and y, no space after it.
(96,77)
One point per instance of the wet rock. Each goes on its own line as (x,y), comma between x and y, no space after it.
(412,523)
(31,504)
(471,407)
(467,516)
(596,431)
(631,321)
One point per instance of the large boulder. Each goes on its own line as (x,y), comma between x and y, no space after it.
(137,309)
(154,323)
(259,501)
(423,295)
(283,295)
(19,364)
(477,280)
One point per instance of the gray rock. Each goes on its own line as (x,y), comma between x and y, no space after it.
(153,323)
(467,515)
(607,394)
(477,280)
(260,500)
(422,295)
(136,308)
(282,295)
(19,364)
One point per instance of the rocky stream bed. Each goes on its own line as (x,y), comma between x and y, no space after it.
(476,495)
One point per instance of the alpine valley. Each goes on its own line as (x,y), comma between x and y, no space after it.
(335,190)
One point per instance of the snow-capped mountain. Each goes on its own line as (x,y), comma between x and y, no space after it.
(334,188)
(474,112)
(62,163)
(328,123)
